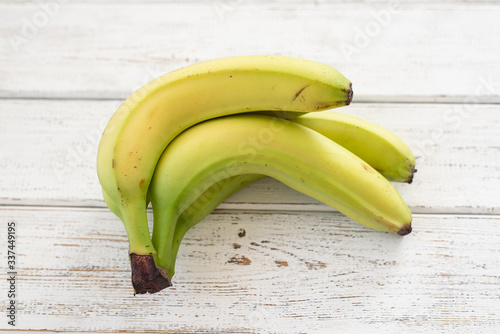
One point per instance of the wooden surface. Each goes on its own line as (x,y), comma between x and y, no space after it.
(430,73)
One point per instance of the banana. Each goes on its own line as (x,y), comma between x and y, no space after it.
(255,144)
(154,115)
(203,206)
(377,146)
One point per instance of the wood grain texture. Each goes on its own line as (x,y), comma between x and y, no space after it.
(302,272)
(99,50)
(49,149)
(269,260)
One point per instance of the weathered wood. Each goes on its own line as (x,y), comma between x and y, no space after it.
(391,51)
(49,149)
(289,273)
(299,267)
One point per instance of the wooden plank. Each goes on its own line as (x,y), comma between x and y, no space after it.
(391,52)
(298,273)
(49,149)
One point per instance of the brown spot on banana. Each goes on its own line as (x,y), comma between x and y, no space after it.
(299,91)
(324,106)
(366,167)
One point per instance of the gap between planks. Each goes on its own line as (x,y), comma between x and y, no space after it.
(396,99)
(288,211)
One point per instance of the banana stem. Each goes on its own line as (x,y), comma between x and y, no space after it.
(146,276)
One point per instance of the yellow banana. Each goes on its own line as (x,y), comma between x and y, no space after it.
(377,146)
(155,114)
(293,154)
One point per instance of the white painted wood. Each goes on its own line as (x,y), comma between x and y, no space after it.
(444,52)
(305,273)
(48,150)
(303,268)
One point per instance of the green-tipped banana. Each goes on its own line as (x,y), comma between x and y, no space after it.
(293,154)
(154,115)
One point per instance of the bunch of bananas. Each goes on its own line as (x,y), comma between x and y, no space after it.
(191,138)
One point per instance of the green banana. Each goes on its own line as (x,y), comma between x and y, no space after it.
(255,144)
(154,115)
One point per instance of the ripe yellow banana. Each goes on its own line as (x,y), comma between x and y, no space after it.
(151,117)
(377,146)
(293,154)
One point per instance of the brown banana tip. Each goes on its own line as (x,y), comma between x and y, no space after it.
(349,94)
(146,277)
(412,173)
(405,230)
